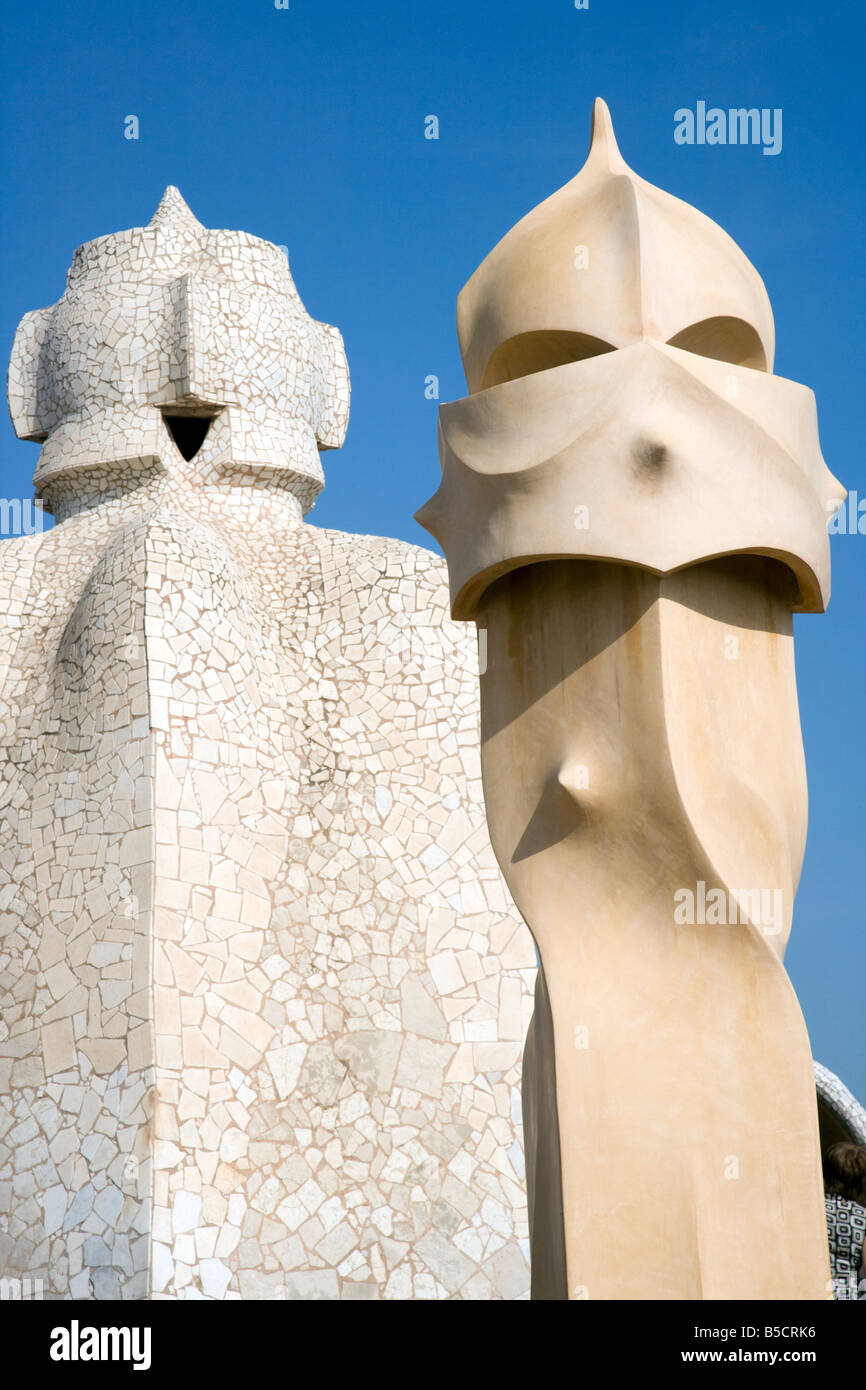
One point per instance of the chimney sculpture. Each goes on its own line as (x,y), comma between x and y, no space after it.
(263,984)
(632,507)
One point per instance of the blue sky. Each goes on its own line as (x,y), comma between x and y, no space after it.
(306,126)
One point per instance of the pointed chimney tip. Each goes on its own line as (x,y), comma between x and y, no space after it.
(173,211)
(602,139)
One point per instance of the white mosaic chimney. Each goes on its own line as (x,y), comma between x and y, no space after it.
(265,988)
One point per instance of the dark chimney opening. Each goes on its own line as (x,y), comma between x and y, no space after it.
(188,432)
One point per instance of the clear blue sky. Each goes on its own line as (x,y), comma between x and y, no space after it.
(306,126)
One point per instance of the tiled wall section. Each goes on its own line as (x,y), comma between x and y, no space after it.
(76,834)
(244,799)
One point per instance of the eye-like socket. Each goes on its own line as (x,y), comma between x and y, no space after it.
(528,353)
(188,428)
(725,340)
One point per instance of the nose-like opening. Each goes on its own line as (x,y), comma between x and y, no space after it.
(189,432)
